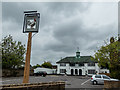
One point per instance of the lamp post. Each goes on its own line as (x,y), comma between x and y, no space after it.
(31,25)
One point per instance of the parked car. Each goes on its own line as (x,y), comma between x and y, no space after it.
(40,73)
(99,79)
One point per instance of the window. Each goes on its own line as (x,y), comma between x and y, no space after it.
(81,64)
(62,64)
(62,70)
(98,76)
(72,64)
(91,64)
(91,71)
(106,77)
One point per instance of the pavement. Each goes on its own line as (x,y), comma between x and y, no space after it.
(72,82)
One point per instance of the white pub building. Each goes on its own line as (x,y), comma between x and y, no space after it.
(79,65)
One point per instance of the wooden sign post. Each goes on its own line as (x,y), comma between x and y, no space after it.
(27,62)
(31,24)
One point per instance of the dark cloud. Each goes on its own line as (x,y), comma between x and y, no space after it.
(72,35)
(12,11)
(49,11)
(67,9)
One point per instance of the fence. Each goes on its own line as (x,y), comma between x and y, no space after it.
(14,72)
(35,86)
(111,85)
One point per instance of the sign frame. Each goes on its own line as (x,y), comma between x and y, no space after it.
(34,17)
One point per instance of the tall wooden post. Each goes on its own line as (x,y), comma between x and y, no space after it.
(119,48)
(27,61)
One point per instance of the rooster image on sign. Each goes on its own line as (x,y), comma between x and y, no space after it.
(31,24)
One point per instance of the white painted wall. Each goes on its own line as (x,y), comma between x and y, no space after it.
(97,68)
(84,68)
(58,68)
(104,70)
(49,71)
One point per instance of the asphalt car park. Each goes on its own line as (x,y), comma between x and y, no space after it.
(71,81)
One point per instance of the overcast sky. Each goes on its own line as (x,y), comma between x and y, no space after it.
(63,27)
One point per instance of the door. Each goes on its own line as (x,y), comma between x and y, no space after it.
(80,72)
(99,79)
(105,78)
(76,72)
(72,72)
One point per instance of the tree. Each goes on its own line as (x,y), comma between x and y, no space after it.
(37,65)
(47,65)
(12,53)
(107,57)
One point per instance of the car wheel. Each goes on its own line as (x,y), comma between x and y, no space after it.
(94,82)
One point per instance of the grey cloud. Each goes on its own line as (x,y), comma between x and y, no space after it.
(69,8)
(72,35)
(62,29)
(49,11)
(66,33)
(100,32)
(119,18)
(12,11)
(60,47)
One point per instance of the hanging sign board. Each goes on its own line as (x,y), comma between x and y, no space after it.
(31,22)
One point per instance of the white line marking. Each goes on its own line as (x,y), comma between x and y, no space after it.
(85,81)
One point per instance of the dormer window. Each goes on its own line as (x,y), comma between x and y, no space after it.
(81,64)
(72,64)
(91,64)
(62,64)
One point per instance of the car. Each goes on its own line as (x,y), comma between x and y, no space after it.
(99,79)
(40,73)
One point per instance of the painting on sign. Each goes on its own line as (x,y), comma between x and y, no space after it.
(31,22)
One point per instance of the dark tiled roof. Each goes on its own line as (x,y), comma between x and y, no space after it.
(82,59)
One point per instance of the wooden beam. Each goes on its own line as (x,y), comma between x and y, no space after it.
(27,60)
